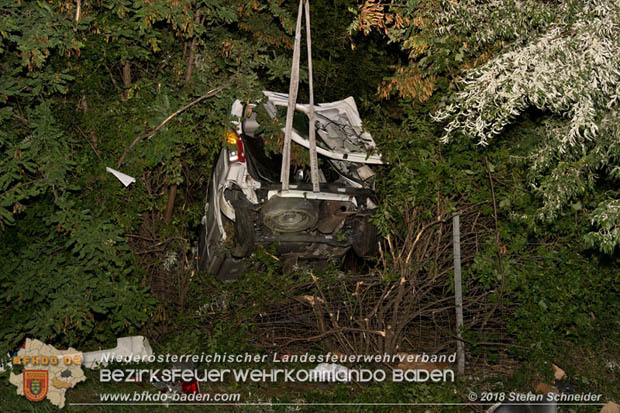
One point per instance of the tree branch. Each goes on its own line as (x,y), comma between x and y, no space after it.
(209,94)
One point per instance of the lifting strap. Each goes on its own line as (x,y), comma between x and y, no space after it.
(292,103)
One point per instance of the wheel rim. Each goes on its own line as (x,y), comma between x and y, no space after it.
(289,215)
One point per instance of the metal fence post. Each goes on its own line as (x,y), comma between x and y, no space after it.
(458,294)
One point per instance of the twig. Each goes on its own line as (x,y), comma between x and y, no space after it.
(78,11)
(209,94)
(499,249)
(111,76)
(20,118)
(89,142)
(497,240)
(141,237)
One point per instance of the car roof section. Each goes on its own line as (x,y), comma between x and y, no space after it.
(340,129)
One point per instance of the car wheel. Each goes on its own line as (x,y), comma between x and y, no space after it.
(289,214)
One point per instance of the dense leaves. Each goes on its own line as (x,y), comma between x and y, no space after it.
(78,85)
(569,72)
(508,85)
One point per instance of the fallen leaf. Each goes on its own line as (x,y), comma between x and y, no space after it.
(545,388)
(558,373)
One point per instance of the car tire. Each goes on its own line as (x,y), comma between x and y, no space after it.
(287,215)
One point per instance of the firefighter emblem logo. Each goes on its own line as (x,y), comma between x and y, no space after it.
(35,384)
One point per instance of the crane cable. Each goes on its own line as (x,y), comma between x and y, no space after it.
(292,104)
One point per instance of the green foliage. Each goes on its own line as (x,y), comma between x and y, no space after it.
(508,57)
(72,287)
(576,91)
(555,201)
(78,88)
(66,270)
(33,164)
(550,287)
(419,171)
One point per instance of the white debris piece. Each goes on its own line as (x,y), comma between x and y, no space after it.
(6,366)
(127,348)
(330,372)
(125,179)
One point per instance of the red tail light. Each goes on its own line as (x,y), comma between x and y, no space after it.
(237,155)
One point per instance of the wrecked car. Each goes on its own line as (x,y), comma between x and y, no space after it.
(246,207)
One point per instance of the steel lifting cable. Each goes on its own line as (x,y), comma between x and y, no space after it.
(292,103)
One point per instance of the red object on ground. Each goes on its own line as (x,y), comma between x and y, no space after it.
(190,387)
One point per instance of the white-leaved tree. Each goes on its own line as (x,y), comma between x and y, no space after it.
(570,70)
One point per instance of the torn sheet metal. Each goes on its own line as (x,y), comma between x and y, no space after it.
(339,127)
(125,179)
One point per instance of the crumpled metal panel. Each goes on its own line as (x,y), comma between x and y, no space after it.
(343,133)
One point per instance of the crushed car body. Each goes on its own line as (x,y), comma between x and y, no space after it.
(246,206)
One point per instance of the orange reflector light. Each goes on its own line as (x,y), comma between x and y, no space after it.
(231,137)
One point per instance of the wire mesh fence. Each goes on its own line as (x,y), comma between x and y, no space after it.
(405,304)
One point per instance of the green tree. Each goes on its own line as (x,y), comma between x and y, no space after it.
(569,73)
(81,81)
